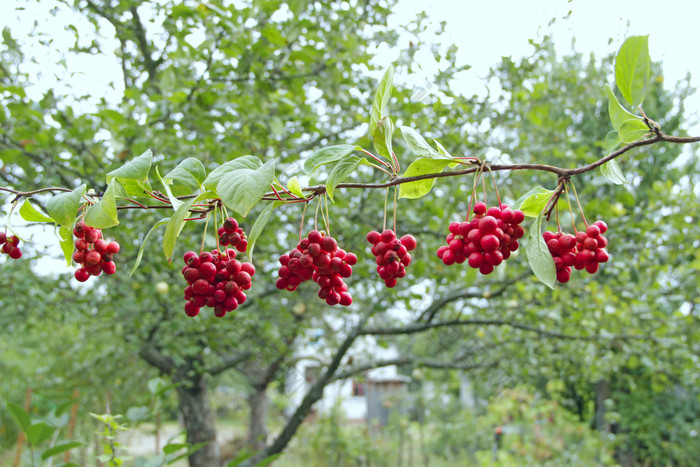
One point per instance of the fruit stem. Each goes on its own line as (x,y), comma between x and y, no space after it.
(493,178)
(386,197)
(395,192)
(568,200)
(583,216)
(556,208)
(379,168)
(218,246)
(153,195)
(316,215)
(303,214)
(396,161)
(276,194)
(204,236)
(326,216)
(477,174)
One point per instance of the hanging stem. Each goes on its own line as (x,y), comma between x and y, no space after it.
(204,235)
(568,201)
(316,215)
(493,178)
(583,216)
(395,198)
(483,184)
(303,214)
(327,216)
(477,175)
(386,198)
(556,208)
(216,223)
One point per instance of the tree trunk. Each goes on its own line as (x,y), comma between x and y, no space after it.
(199,422)
(257,420)
(602,393)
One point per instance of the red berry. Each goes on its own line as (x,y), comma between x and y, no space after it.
(113,247)
(191,309)
(109,268)
(409,242)
(315,237)
(16,253)
(480,208)
(92,257)
(82,274)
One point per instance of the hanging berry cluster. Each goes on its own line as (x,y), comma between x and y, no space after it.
(231,234)
(10,245)
(586,250)
(94,254)
(391,254)
(318,257)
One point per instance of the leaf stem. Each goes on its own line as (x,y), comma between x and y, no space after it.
(375,158)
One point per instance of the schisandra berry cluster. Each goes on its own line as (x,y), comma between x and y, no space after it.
(94,254)
(10,245)
(486,241)
(586,250)
(392,254)
(216,280)
(318,257)
(231,234)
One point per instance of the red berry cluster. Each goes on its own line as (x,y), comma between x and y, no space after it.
(216,280)
(318,257)
(10,246)
(392,254)
(486,241)
(231,234)
(585,250)
(94,254)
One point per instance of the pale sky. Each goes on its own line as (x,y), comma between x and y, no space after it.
(483,30)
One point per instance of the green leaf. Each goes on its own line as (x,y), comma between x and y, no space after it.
(533,202)
(31,214)
(611,142)
(632,129)
(419,188)
(341,171)
(20,415)
(191,172)
(136,169)
(538,254)
(383,136)
(241,457)
(60,448)
(381,99)
(327,155)
(171,448)
(174,202)
(294,187)
(174,227)
(618,114)
(612,172)
(632,65)
(143,244)
(417,143)
(259,225)
(244,162)
(268,460)
(64,206)
(242,189)
(37,433)
(67,243)
(103,214)
(441,148)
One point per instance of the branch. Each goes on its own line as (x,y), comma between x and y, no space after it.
(229,362)
(413,361)
(156,358)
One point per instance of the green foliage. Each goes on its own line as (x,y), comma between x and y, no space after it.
(538,255)
(632,69)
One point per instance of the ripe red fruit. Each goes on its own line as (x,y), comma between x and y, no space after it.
(113,247)
(92,235)
(191,309)
(109,268)
(480,208)
(82,274)
(3,237)
(16,253)
(101,246)
(92,257)
(374,237)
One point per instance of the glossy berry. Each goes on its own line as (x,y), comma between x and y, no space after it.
(92,252)
(391,254)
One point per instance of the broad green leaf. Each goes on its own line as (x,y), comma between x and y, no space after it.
(103,214)
(441,148)
(341,171)
(67,243)
(633,129)
(136,169)
(174,202)
(64,206)
(20,415)
(244,162)
(383,136)
(327,155)
(190,172)
(294,187)
(632,65)
(538,254)
(533,202)
(39,432)
(381,99)
(172,231)
(612,172)
(611,142)
(171,448)
(259,225)
(60,448)
(618,114)
(143,244)
(419,188)
(268,460)
(417,143)
(242,189)
(31,214)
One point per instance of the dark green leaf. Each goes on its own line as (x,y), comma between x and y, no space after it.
(37,433)
(174,202)
(242,189)
(64,206)
(341,171)
(176,222)
(20,415)
(538,254)
(60,448)
(327,155)
(244,162)
(67,243)
(190,172)
(612,172)
(171,448)
(136,169)
(103,214)
(259,225)
(533,202)
(143,244)
(31,214)
(632,65)
(419,188)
